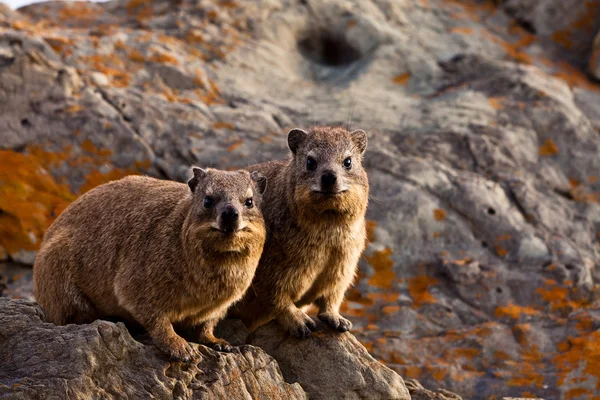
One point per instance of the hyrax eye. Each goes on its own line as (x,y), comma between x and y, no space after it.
(311,164)
(249,203)
(209,202)
(347,163)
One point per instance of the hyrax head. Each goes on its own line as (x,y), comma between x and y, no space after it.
(226,202)
(328,168)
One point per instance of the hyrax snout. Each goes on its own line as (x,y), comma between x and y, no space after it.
(157,253)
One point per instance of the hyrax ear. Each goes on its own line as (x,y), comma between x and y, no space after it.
(260,180)
(295,138)
(199,174)
(359,138)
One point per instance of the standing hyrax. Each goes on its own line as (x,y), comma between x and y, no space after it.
(314,211)
(155,253)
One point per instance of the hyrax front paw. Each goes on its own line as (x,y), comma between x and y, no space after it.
(219,345)
(301,326)
(335,321)
(179,350)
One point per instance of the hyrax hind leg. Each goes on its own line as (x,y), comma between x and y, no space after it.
(63,302)
(68,306)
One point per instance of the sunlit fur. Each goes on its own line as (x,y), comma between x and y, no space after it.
(147,251)
(314,239)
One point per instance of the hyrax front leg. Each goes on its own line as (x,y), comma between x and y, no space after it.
(295,321)
(204,334)
(329,309)
(163,335)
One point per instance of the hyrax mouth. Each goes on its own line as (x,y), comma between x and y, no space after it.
(330,193)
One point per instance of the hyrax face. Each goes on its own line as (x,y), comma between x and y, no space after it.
(328,167)
(225,205)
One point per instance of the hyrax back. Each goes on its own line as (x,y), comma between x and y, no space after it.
(156,253)
(314,210)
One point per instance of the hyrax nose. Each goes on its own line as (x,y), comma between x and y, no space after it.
(230,214)
(328,179)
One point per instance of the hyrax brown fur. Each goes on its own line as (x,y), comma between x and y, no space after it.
(155,253)
(314,210)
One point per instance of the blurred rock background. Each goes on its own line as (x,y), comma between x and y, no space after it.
(482,271)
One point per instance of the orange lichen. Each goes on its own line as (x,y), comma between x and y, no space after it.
(58,43)
(136,56)
(401,79)
(387,310)
(514,311)
(110,65)
(418,288)
(495,102)
(133,5)
(548,148)
(439,214)
(73,108)
(501,251)
(557,298)
(582,353)
(30,199)
(89,147)
(159,57)
(462,29)
(574,76)
(382,264)
(233,146)
(223,125)
(79,10)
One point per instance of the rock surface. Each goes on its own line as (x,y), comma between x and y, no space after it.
(353,373)
(39,360)
(482,272)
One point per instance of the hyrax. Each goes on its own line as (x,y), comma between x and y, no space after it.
(155,253)
(314,210)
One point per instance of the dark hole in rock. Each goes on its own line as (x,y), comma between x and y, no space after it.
(484,244)
(25,123)
(491,211)
(327,48)
(498,289)
(570,267)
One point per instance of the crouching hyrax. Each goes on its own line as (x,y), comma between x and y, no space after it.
(155,253)
(314,211)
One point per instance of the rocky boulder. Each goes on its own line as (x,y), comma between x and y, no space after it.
(39,360)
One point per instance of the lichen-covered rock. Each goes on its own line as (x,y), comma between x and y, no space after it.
(40,361)
(354,374)
(418,392)
(571,24)
(484,218)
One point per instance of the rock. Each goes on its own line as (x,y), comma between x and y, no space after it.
(484,218)
(418,392)
(594,63)
(41,360)
(569,23)
(357,375)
